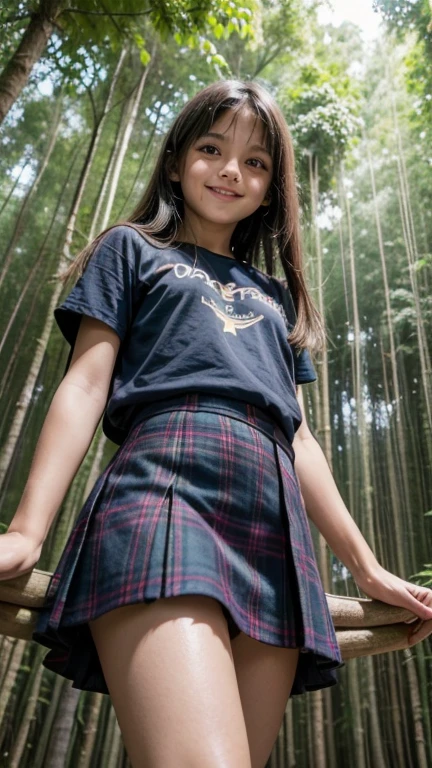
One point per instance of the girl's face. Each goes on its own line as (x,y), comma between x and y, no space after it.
(226,174)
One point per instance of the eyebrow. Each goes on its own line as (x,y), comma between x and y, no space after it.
(222,137)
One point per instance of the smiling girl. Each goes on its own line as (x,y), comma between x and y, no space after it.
(188,589)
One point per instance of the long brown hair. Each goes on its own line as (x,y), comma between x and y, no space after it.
(273,230)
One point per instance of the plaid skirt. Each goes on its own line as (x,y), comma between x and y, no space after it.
(201,498)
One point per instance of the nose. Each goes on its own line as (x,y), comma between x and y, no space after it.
(231,169)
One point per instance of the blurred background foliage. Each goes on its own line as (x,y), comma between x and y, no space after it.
(86,95)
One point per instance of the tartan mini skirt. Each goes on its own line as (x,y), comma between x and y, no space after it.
(201,498)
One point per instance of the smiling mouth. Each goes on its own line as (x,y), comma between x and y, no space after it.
(223,192)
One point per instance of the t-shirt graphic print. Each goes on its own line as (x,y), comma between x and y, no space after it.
(232,315)
(209,324)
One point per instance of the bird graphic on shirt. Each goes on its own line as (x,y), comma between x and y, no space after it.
(230,323)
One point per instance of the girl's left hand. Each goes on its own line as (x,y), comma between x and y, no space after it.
(385,586)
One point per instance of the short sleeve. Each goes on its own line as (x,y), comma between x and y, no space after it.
(303,368)
(304,371)
(106,289)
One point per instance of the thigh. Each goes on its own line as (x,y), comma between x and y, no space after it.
(265,674)
(170,674)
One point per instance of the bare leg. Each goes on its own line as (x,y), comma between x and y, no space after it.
(265,674)
(170,673)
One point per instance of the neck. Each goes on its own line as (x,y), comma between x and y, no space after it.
(215,237)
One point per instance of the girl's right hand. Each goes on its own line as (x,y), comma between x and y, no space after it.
(19,554)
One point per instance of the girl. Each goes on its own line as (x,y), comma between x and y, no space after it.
(188,589)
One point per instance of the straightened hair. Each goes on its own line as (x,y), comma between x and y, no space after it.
(272,232)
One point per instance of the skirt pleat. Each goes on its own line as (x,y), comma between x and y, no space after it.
(193,502)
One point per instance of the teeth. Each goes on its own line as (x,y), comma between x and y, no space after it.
(223,192)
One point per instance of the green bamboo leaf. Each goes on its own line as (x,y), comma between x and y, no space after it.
(208,47)
(219,61)
(139,40)
(144,56)
(423,573)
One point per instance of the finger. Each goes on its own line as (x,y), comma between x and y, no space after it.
(423,630)
(421,604)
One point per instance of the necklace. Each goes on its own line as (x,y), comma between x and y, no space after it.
(233,258)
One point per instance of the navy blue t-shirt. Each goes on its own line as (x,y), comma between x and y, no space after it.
(220,327)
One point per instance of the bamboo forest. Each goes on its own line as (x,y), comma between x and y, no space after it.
(87,95)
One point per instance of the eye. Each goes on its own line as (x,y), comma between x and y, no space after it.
(257,160)
(208,146)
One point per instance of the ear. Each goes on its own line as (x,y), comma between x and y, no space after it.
(268,198)
(173,173)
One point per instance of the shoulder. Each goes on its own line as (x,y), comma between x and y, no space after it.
(285,297)
(282,287)
(127,242)
(263,279)
(284,290)
(126,234)
(259,273)
(281,282)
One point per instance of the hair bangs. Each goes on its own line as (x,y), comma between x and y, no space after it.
(200,114)
(271,234)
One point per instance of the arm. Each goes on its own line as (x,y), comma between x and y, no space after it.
(327,510)
(325,506)
(68,430)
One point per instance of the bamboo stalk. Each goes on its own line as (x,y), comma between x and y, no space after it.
(364,627)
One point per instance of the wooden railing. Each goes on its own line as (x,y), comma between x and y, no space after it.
(364,627)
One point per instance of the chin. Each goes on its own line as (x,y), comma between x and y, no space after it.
(223,218)
(228,216)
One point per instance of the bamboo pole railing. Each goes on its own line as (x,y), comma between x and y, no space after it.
(364,627)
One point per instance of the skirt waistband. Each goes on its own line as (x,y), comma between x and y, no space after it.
(228,406)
